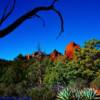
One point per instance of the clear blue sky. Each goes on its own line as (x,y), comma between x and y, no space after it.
(81,23)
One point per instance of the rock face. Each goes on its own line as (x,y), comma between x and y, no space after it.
(28,57)
(69,53)
(70,48)
(54,55)
(39,55)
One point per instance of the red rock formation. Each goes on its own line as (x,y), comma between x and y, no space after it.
(71,47)
(28,57)
(54,55)
(39,55)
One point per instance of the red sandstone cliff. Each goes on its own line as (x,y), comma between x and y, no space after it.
(54,55)
(69,53)
(70,48)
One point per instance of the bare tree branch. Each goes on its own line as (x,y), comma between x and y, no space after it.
(5,16)
(62,22)
(43,21)
(27,16)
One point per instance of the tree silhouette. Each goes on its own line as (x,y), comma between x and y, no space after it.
(33,12)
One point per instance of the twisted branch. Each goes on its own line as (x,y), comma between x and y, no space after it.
(28,15)
(6,15)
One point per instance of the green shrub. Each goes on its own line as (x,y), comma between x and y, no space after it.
(88,94)
(65,94)
(21,88)
(75,94)
(96,82)
(42,93)
(78,95)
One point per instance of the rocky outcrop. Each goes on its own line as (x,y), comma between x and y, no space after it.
(28,57)
(39,55)
(69,53)
(54,55)
(70,49)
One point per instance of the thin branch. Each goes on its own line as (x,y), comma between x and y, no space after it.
(62,22)
(54,1)
(27,16)
(5,10)
(43,21)
(5,16)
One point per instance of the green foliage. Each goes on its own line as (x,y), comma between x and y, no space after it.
(21,88)
(18,89)
(84,65)
(78,95)
(75,94)
(88,61)
(88,94)
(93,43)
(7,90)
(65,94)
(96,83)
(41,93)
(32,74)
(55,74)
(78,83)
(12,75)
(85,94)
(61,59)
(35,72)
(19,57)
(26,77)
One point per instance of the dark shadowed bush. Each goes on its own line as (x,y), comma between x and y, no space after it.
(42,93)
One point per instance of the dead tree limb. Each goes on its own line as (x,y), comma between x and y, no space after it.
(5,14)
(7,30)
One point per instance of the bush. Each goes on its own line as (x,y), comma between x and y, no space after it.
(75,94)
(65,94)
(96,83)
(41,93)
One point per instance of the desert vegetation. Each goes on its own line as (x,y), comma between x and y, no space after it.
(50,80)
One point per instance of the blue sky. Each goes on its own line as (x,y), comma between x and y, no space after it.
(81,23)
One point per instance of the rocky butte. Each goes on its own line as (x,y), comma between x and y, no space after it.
(54,55)
(70,49)
(69,53)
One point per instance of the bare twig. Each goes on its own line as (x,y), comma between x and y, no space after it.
(62,22)
(43,21)
(28,15)
(6,15)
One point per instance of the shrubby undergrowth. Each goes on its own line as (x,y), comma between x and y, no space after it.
(42,80)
